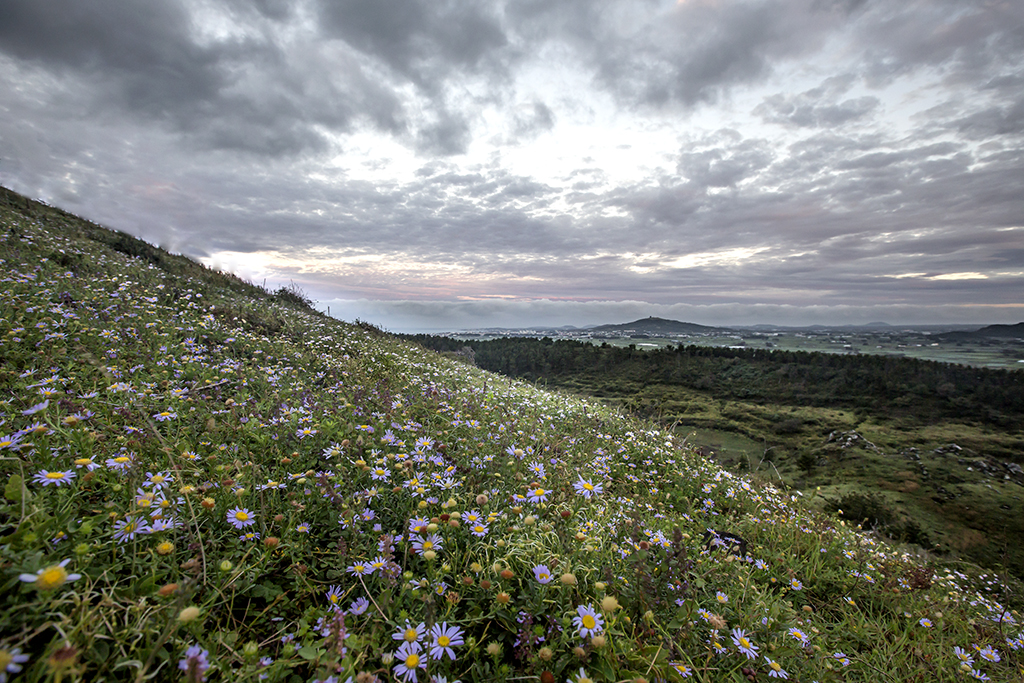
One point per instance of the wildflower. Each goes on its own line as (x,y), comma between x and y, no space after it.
(989,654)
(431,542)
(126,529)
(334,595)
(682,669)
(36,408)
(409,659)
(249,536)
(194,663)
(157,481)
(410,633)
(537,495)
(796,585)
(10,662)
(121,463)
(240,518)
(164,415)
(359,569)
(542,573)
(51,577)
(739,638)
(963,655)
(588,489)
(588,621)
(302,528)
(358,606)
(775,670)
(582,677)
(56,478)
(445,638)
(799,635)
(976,673)
(87,463)
(841,658)
(927,623)
(721,597)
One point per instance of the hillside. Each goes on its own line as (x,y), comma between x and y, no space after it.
(203,480)
(989,332)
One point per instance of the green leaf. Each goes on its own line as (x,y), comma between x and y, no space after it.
(309,652)
(13,489)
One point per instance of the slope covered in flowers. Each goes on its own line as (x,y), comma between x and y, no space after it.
(203,481)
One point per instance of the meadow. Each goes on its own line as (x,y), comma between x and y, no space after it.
(204,480)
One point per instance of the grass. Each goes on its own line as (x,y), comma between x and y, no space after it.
(202,479)
(949,478)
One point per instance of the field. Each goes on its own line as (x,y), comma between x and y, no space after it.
(203,480)
(993,353)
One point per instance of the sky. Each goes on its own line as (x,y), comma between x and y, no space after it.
(457,164)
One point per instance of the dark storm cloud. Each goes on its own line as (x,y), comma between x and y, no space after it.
(420,39)
(225,126)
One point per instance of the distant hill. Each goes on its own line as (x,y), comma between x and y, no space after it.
(989,332)
(657,327)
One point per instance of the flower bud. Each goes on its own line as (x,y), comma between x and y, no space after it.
(188,614)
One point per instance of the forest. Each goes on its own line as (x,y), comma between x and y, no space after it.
(923,391)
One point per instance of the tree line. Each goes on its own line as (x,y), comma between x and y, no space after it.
(885,385)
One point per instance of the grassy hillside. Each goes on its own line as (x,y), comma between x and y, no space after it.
(927,453)
(204,480)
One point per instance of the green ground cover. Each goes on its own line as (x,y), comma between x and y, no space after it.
(206,481)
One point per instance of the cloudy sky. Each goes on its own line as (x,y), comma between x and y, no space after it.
(442,164)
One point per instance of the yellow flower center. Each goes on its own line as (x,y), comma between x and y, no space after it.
(588,486)
(241,516)
(410,634)
(427,545)
(122,459)
(82,462)
(144,502)
(157,479)
(51,577)
(5,659)
(412,661)
(588,621)
(539,492)
(54,475)
(744,642)
(443,641)
(776,666)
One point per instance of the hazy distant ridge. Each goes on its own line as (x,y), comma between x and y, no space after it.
(999,331)
(657,327)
